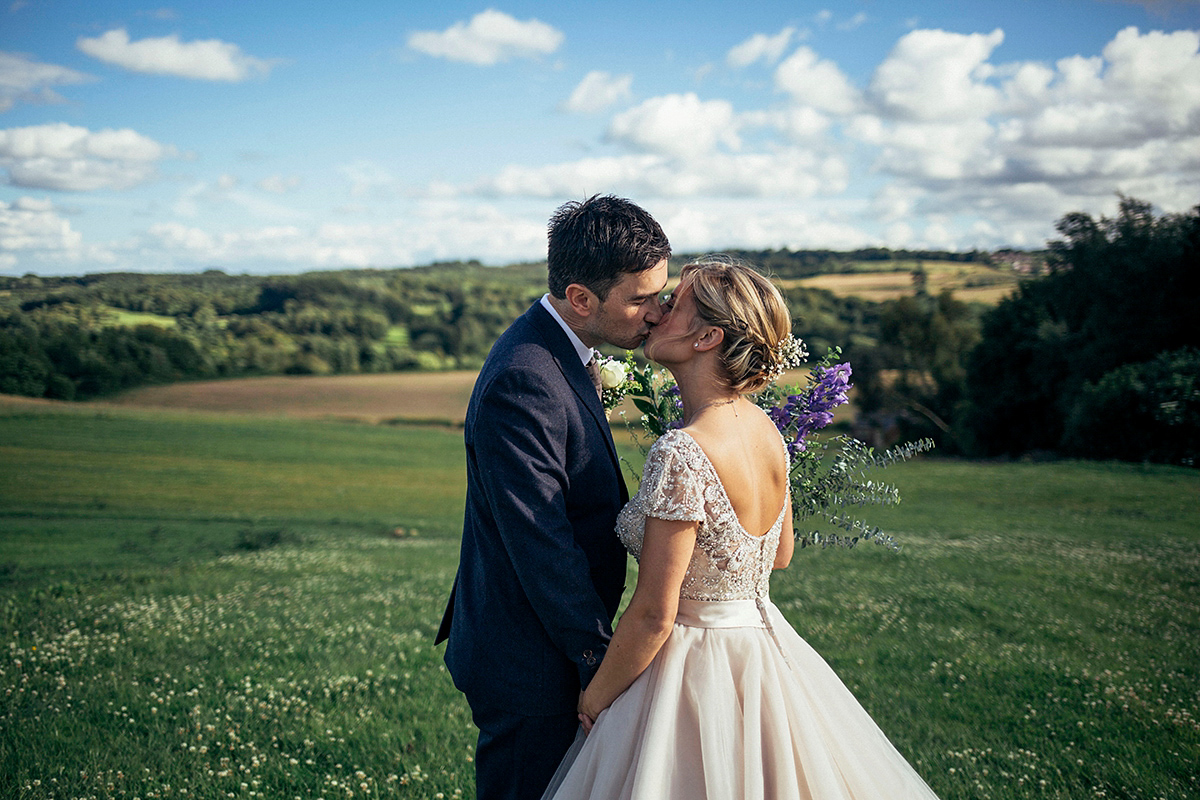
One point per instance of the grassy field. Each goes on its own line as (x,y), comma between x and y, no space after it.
(879,281)
(202,605)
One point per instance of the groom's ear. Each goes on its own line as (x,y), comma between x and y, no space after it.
(582,300)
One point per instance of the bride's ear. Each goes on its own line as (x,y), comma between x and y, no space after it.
(710,338)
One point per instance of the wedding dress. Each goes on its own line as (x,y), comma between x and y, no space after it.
(736,705)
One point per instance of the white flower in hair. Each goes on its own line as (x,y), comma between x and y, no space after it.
(790,353)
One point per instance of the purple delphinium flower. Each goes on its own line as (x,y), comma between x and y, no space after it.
(812,409)
(672,391)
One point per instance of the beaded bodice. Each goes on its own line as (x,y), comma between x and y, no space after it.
(680,483)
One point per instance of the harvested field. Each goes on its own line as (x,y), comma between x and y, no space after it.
(969,284)
(388,397)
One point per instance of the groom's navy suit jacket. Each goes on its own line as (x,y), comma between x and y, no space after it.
(541,571)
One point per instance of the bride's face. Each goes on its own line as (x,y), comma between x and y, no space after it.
(671,340)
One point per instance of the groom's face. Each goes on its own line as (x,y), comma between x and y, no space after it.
(625,317)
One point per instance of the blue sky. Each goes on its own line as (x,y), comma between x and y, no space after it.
(291,136)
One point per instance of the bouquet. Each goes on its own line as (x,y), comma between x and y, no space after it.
(828,477)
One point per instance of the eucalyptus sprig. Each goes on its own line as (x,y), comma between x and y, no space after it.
(829,478)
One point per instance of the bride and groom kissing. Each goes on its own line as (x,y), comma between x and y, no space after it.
(703,689)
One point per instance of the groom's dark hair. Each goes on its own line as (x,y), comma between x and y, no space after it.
(595,242)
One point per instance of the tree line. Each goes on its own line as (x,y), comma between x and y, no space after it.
(1096,355)
(86,337)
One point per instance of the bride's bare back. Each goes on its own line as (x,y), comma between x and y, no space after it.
(745,449)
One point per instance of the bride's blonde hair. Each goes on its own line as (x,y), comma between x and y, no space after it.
(749,309)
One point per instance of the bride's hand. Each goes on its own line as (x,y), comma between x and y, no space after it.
(587,714)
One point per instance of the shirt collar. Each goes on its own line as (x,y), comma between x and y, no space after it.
(584,352)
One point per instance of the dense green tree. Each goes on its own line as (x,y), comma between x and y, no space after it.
(923,344)
(1149,410)
(1121,291)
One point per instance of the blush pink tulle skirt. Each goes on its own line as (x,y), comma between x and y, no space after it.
(736,706)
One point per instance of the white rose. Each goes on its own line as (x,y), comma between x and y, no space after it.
(612,374)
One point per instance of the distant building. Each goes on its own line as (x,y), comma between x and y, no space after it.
(1022,262)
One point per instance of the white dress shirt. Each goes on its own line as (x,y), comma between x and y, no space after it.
(585,353)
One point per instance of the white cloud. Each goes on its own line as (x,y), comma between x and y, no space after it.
(895,202)
(998,151)
(1069,135)
(713,225)
(33,226)
(797,124)
(29,81)
(857,21)
(66,157)
(489,38)
(677,124)
(208,59)
(813,82)
(898,235)
(760,47)
(936,151)
(598,91)
(202,196)
(176,236)
(787,173)
(368,179)
(425,232)
(935,75)
(279,184)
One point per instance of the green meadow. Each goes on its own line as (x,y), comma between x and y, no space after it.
(203,606)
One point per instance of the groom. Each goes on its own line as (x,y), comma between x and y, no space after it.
(540,571)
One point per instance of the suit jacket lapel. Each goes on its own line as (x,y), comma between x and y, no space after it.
(564,354)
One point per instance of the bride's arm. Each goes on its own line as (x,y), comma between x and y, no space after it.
(646,624)
(787,538)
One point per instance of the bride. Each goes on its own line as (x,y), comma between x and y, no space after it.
(706,691)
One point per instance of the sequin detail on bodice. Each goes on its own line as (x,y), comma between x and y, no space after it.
(680,483)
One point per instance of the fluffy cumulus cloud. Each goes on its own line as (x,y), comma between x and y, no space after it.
(820,84)
(961,150)
(66,157)
(708,225)
(1086,127)
(32,230)
(760,47)
(30,81)
(427,231)
(489,38)
(935,75)
(598,91)
(208,59)
(794,174)
(677,124)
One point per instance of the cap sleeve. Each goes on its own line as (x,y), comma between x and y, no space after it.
(672,486)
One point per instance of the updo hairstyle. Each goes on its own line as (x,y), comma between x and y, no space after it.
(745,305)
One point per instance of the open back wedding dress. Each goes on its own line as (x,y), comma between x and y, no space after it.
(735,706)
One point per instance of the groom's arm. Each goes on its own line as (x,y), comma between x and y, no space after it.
(520,444)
